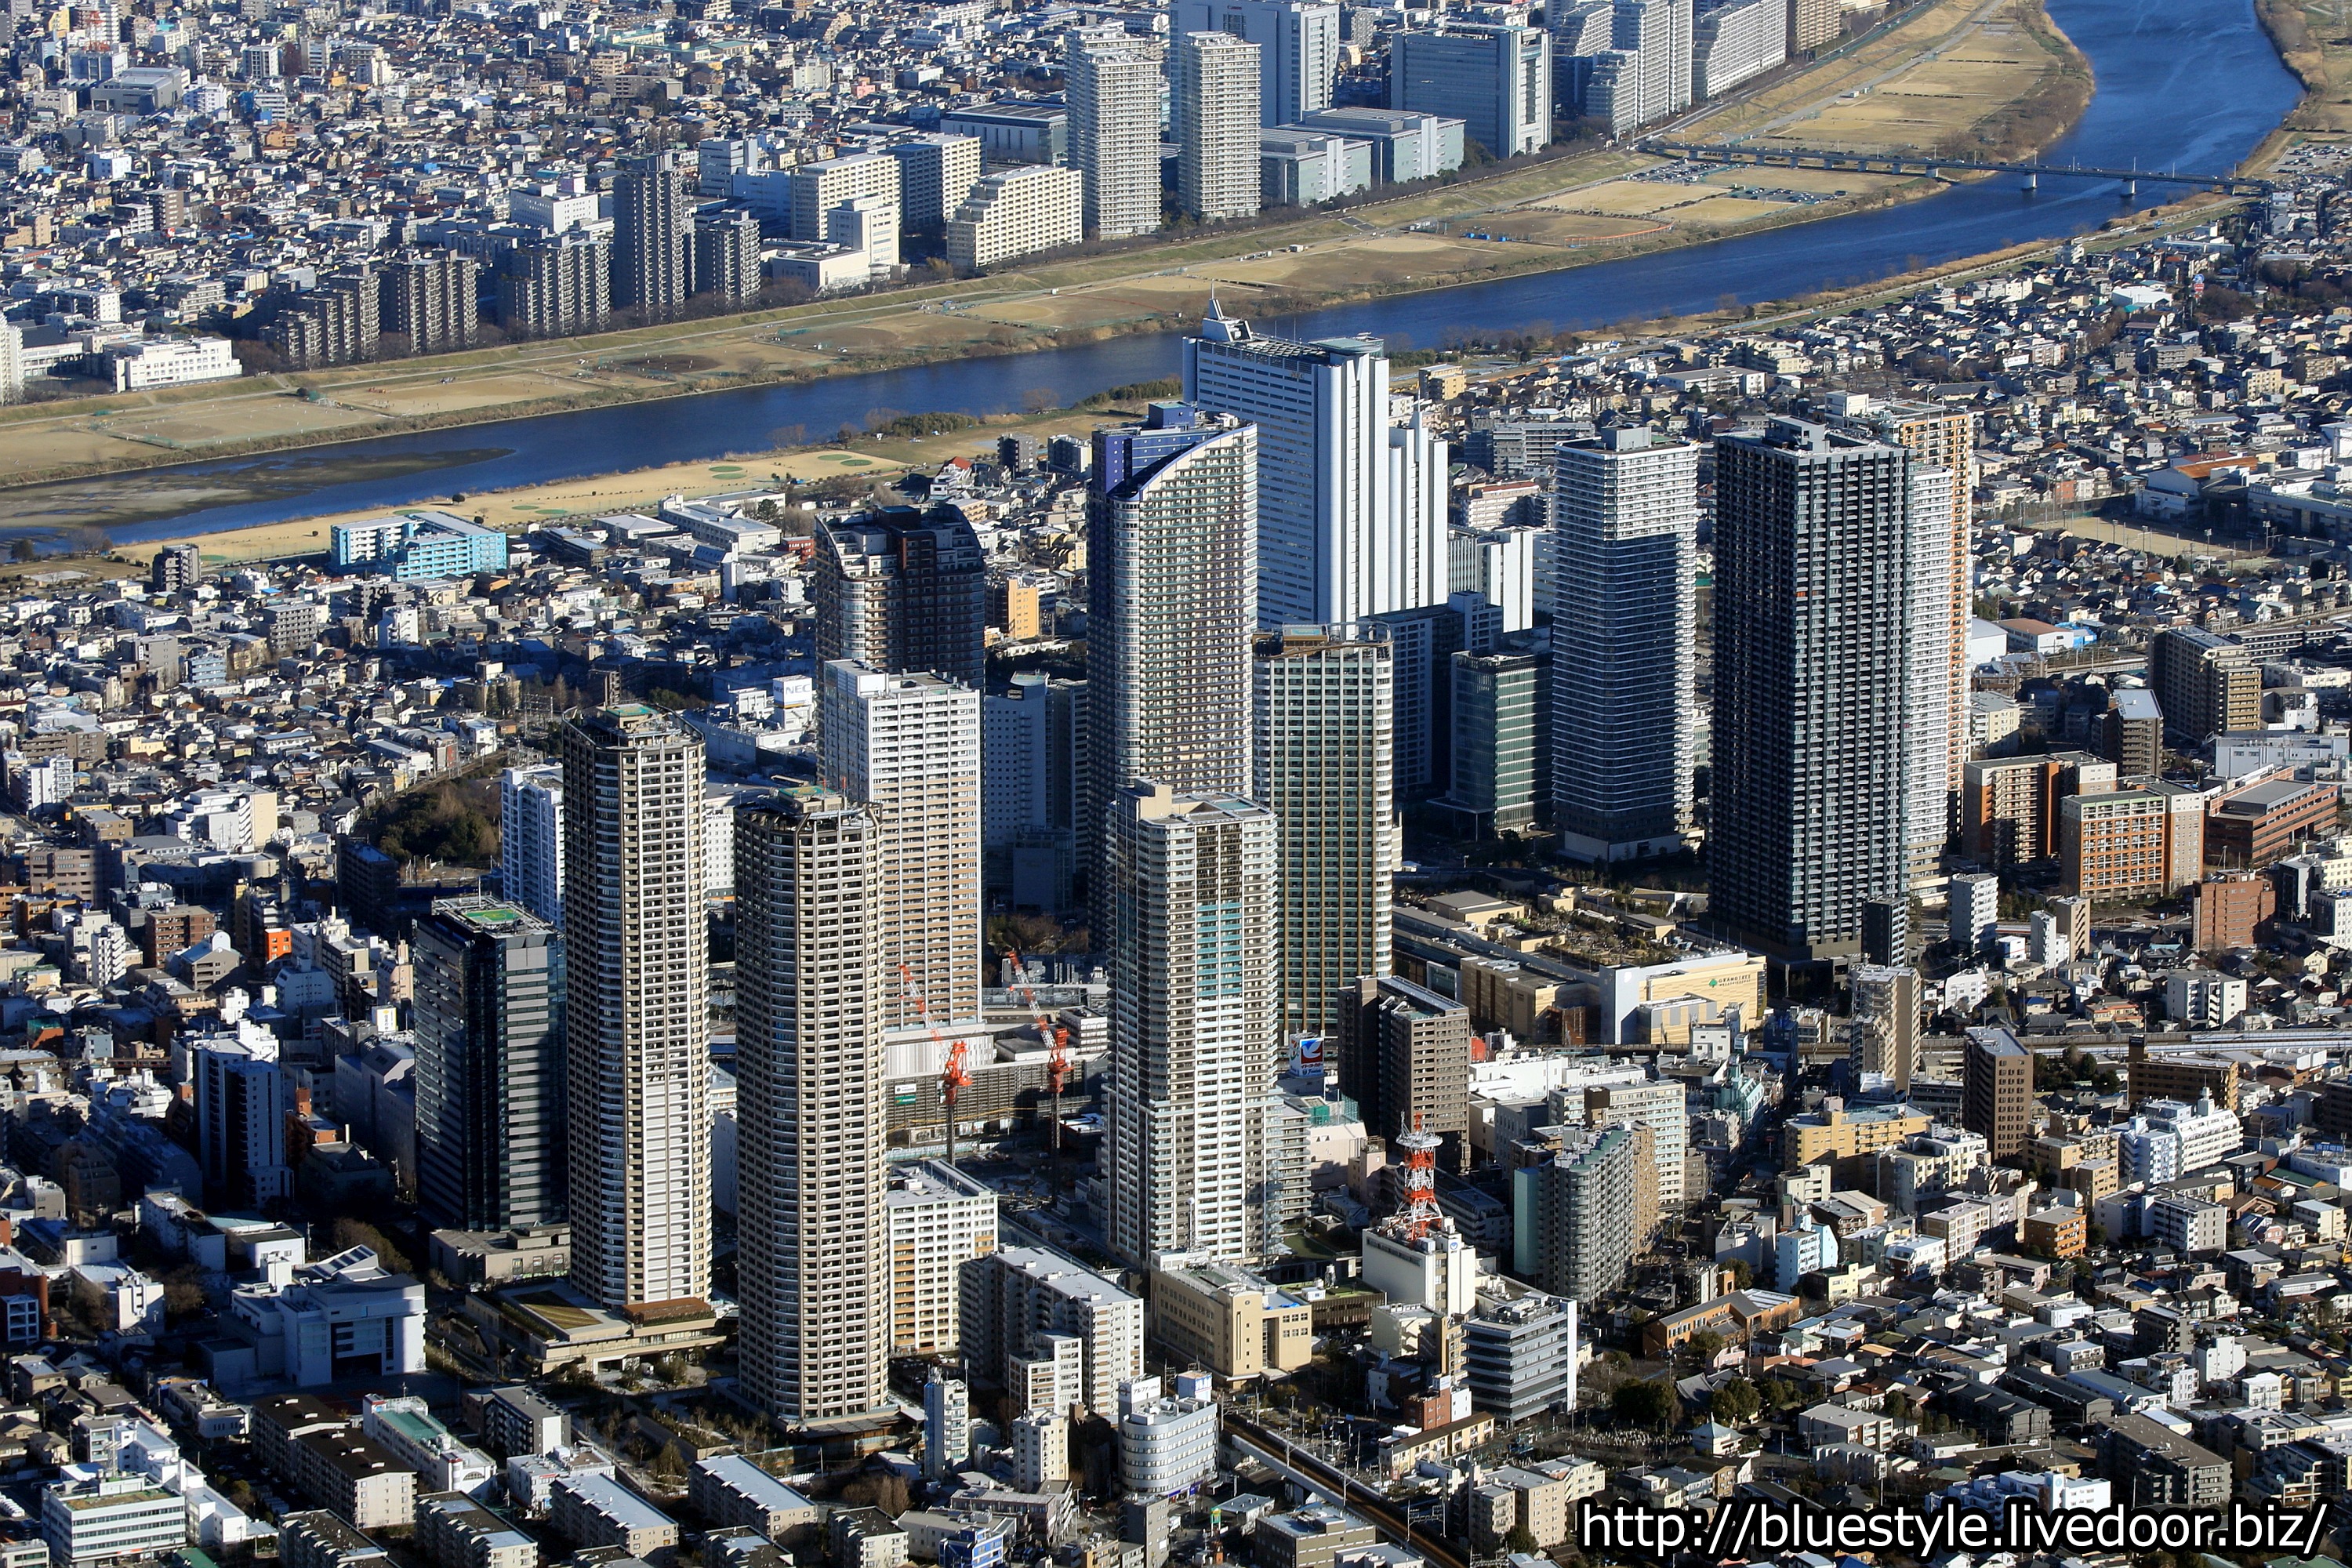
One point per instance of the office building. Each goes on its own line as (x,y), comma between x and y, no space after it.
(89,1519)
(1324,732)
(1997,1091)
(1113,87)
(2204,683)
(1736,40)
(1424,642)
(1174,545)
(903,593)
(636,1019)
(908,746)
(1402,1054)
(555,287)
(1032,793)
(1520,1354)
(1031,1308)
(936,174)
(1501,768)
(530,840)
(1194,898)
(1574,1213)
(1017,212)
(1298,44)
(1351,515)
(2252,825)
(1885,1025)
(488,1025)
(1305,168)
(1404,147)
(1167,1444)
(1811,644)
(652,235)
(939,1219)
(1497,78)
(1012,132)
(1213,102)
(1623,635)
(811,994)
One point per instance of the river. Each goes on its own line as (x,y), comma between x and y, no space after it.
(2191,84)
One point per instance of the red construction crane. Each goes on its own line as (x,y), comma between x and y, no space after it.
(955,1078)
(1056,1037)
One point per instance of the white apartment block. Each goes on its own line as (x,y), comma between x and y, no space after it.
(1195,972)
(813,1273)
(908,746)
(1297,47)
(939,1219)
(935,174)
(1017,212)
(1215,80)
(636,1018)
(1351,514)
(1733,42)
(1025,1307)
(818,188)
(1113,88)
(531,838)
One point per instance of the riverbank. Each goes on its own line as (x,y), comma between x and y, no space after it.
(644,488)
(1601,205)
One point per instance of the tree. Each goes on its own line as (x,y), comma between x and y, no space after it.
(1650,1404)
(1521,1540)
(1703,1346)
(23,550)
(1898,1405)
(349,1233)
(1742,1277)
(1735,1403)
(184,1291)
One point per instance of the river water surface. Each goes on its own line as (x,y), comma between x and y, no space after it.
(2188,84)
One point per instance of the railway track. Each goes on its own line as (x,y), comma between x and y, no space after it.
(1374,1509)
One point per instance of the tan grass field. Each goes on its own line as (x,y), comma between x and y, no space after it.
(1728,211)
